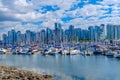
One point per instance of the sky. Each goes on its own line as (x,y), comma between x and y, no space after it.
(38,14)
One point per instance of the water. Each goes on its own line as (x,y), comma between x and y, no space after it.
(74,67)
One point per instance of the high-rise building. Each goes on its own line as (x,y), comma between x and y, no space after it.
(113,32)
(71,33)
(57,33)
(97,33)
(38,37)
(118,31)
(78,34)
(23,39)
(12,37)
(42,36)
(102,32)
(28,37)
(84,34)
(91,33)
(5,39)
(49,36)
(19,37)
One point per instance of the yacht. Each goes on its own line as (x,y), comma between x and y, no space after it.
(117,54)
(109,53)
(65,52)
(51,51)
(74,52)
(25,51)
(2,51)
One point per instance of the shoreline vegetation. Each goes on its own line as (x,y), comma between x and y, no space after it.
(11,73)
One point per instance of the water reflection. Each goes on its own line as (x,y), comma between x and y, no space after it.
(74,67)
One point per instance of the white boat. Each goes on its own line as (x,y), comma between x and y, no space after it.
(74,52)
(86,52)
(2,51)
(25,51)
(109,53)
(82,53)
(65,52)
(35,51)
(117,54)
(52,51)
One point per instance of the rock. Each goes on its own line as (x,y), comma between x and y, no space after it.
(10,73)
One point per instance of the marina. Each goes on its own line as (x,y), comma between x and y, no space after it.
(59,40)
(105,48)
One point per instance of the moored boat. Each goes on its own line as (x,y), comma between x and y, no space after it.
(74,52)
(2,51)
(109,53)
(117,54)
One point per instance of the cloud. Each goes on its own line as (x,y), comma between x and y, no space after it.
(80,13)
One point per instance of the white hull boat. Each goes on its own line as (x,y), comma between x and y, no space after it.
(117,54)
(109,53)
(74,52)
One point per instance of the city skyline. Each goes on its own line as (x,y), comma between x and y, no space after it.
(33,14)
(59,39)
(59,35)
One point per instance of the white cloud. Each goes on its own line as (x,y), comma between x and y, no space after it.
(13,12)
(110,2)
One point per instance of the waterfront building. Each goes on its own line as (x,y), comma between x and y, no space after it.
(49,36)
(42,36)
(23,39)
(118,31)
(71,33)
(5,39)
(57,33)
(12,37)
(113,32)
(19,37)
(99,32)
(28,37)
(84,35)
(91,33)
(38,37)
(77,34)
(102,32)
(33,37)
(66,36)
(1,43)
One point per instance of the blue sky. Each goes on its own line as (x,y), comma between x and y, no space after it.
(37,14)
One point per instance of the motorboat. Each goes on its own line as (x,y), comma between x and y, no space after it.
(2,51)
(66,52)
(25,51)
(74,52)
(51,51)
(88,52)
(117,54)
(109,53)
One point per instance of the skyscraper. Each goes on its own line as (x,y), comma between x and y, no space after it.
(113,32)
(58,33)
(19,40)
(42,36)
(5,39)
(12,37)
(71,33)
(91,33)
(102,32)
(28,37)
(78,34)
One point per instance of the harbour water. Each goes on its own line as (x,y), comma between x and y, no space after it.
(66,67)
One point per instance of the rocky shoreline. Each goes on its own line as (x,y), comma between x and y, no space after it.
(11,73)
